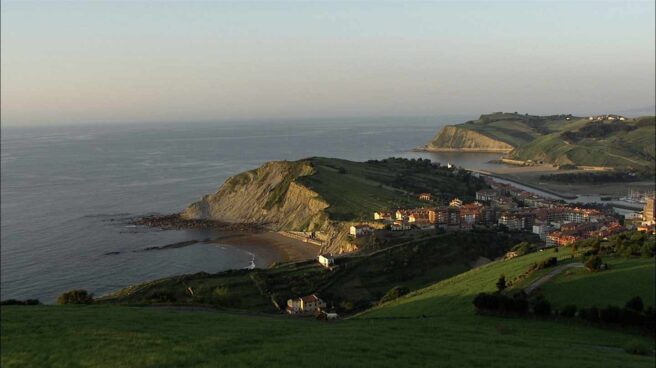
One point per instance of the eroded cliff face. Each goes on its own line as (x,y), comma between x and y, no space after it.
(453,138)
(270,195)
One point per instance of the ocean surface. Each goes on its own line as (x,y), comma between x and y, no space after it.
(68,192)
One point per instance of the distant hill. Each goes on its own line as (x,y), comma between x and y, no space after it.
(608,141)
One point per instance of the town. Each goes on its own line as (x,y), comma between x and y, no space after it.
(504,207)
(508,207)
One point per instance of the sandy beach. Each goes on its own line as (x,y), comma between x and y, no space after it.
(269,247)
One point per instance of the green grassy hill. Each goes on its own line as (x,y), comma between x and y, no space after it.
(436,325)
(356,189)
(622,144)
(360,280)
(558,139)
(625,279)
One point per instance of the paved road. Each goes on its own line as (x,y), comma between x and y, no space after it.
(541,281)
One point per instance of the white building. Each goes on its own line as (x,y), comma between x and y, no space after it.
(359,230)
(326,260)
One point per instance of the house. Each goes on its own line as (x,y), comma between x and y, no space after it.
(455,203)
(305,305)
(486,195)
(511,221)
(387,216)
(425,197)
(419,216)
(400,226)
(326,260)
(360,230)
(312,303)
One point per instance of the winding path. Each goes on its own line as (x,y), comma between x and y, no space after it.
(542,280)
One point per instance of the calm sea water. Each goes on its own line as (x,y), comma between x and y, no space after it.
(67,192)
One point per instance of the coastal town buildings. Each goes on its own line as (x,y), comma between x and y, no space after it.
(649,212)
(425,197)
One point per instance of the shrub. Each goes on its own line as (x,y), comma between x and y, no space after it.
(501,283)
(485,301)
(20,302)
(161,297)
(635,304)
(637,347)
(610,314)
(75,297)
(394,293)
(589,314)
(568,311)
(593,263)
(542,308)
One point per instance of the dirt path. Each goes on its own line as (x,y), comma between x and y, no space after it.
(541,281)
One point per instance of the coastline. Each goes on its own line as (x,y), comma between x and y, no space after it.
(471,150)
(268,247)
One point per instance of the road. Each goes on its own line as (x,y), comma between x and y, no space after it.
(541,281)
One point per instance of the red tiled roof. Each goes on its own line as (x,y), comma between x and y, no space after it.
(310,298)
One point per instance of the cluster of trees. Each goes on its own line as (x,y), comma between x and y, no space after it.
(394,293)
(632,314)
(501,304)
(547,263)
(20,302)
(626,244)
(75,297)
(523,248)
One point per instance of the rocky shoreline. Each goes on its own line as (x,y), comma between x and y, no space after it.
(176,222)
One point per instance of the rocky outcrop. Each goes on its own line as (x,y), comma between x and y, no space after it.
(271,196)
(455,138)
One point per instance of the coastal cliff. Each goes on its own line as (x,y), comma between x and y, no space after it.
(455,138)
(271,196)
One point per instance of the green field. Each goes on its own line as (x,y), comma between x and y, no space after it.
(626,278)
(356,189)
(434,326)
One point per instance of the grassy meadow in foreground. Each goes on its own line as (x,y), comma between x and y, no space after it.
(434,326)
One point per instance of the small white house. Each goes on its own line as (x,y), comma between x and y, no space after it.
(326,260)
(359,230)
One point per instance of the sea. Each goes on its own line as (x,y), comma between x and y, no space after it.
(68,192)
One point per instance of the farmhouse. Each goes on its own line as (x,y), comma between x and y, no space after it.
(383,215)
(360,230)
(305,305)
(326,260)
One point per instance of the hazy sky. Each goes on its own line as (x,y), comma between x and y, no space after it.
(101,62)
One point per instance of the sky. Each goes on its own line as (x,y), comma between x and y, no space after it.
(99,62)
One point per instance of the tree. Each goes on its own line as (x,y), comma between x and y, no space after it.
(75,297)
(593,263)
(542,308)
(635,304)
(394,293)
(501,283)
